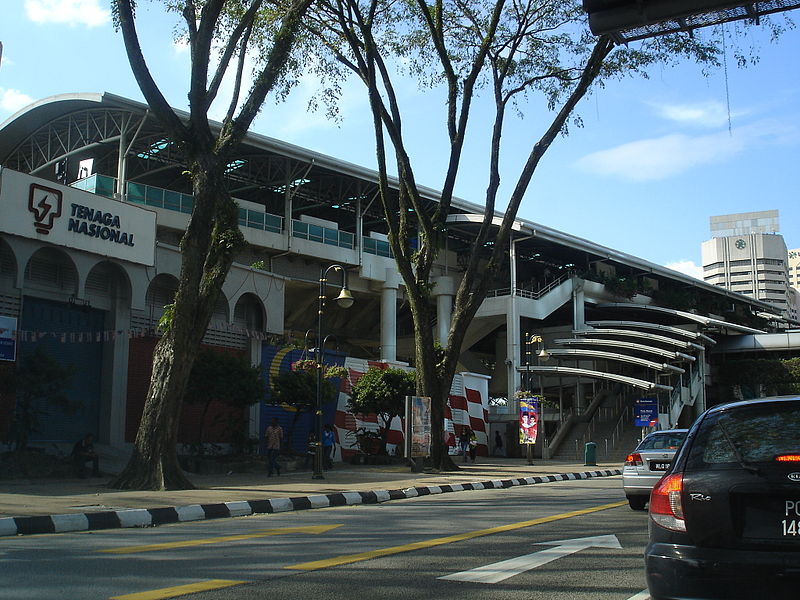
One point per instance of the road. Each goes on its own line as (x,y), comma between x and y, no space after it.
(524,542)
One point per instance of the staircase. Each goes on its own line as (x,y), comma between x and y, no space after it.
(608,422)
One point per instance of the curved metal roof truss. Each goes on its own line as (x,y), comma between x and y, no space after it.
(600,354)
(627,345)
(632,381)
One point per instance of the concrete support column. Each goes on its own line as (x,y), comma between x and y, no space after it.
(513,351)
(122,164)
(444,290)
(255,346)
(578,308)
(389,315)
(118,368)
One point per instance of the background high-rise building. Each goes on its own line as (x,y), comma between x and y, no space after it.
(747,255)
(794,268)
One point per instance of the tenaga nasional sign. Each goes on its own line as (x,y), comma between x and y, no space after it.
(65,216)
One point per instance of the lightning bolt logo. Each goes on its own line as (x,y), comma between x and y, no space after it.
(45,204)
(45,207)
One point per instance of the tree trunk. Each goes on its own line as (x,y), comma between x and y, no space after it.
(154,463)
(205,261)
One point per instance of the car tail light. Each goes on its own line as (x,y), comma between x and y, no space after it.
(666,506)
(788,458)
(634,460)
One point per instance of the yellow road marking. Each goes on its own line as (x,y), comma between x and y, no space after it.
(180,590)
(218,540)
(351,558)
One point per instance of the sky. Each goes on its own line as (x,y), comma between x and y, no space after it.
(654,160)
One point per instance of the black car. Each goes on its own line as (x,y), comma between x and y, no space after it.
(725,519)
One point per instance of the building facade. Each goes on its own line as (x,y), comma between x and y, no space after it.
(94,202)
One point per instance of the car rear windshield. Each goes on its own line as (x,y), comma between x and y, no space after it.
(749,434)
(663,441)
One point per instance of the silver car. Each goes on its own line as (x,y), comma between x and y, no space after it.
(645,465)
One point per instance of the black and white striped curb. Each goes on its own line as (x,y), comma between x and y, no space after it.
(152,517)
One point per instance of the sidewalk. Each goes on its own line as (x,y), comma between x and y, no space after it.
(46,506)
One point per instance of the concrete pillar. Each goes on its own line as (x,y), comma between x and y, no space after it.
(118,391)
(513,352)
(389,315)
(444,291)
(578,308)
(122,164)
(255,346)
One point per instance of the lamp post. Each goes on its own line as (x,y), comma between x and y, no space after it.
(344,300)
(541,355)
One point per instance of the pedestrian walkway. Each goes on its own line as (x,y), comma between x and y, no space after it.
(47,506)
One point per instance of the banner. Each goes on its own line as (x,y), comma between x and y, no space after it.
(8,335)
(420,424)
(528,420)
(645,412)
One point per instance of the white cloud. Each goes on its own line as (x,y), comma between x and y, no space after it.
(687,267)
(659,158)
(705,114)
(13,100)
(72,12)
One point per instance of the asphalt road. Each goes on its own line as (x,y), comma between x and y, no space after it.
(510,543)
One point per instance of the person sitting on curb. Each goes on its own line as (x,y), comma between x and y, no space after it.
(82,453)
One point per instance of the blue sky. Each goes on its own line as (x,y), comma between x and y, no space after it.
(655,158)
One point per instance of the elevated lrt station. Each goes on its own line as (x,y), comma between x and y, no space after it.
(589,328)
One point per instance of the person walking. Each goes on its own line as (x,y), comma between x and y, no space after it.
(473,445)
(498,444)
(328,446)
(311,450)
(274,436)
(463,441)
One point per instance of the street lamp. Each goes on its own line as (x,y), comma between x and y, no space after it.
(344,300)
(541,355)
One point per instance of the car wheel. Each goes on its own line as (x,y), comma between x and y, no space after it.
(637,502)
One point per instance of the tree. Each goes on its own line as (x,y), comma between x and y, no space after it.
(382,392)
(39,382)
(224,378)
(212,236)
(513,49)
(298,388)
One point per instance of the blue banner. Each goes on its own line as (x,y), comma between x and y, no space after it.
(645,412)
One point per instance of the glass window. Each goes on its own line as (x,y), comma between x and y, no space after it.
(172,200)
(757,432)
(663,441)
(154,196)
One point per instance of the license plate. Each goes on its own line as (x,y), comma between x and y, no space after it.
(776,518)
(659,466)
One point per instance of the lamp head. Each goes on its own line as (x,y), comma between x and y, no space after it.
(345,298)
(543,354)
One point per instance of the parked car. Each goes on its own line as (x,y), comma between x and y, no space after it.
(647,463)
(725,519)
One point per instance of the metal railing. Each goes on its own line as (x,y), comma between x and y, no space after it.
(525,293)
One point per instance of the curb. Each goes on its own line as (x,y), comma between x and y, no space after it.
(153,517)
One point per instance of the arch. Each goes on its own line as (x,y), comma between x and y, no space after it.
(221,312)
(52,269)
(249,312)
(107,283)
(160,292)
(8,264)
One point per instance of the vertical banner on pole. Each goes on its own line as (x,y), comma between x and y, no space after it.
(420,425)
(528,420)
